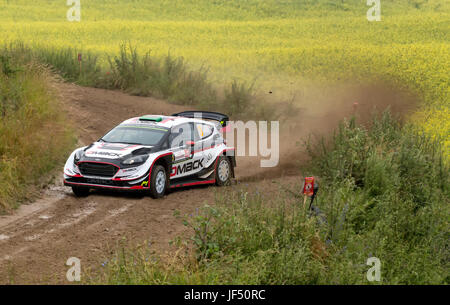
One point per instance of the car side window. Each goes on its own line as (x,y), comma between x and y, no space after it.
(180,134)
(203,130)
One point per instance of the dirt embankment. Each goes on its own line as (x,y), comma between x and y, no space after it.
(37,240)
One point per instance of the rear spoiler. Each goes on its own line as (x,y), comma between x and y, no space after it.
(209,115)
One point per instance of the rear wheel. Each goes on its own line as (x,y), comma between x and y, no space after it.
(80,191)
(158,181)
(223,171)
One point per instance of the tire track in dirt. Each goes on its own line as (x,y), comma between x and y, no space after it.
(37,240)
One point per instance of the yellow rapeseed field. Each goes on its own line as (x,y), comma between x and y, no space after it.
(272,43)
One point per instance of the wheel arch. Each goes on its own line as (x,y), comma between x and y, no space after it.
(230,154)
(166,161)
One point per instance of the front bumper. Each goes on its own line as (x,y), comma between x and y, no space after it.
(97,183)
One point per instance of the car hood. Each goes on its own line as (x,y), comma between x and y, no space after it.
(111,150)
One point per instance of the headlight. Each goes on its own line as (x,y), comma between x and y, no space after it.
(77,156)
(135,160)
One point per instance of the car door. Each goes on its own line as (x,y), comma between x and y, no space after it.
(186,161)
(204,141)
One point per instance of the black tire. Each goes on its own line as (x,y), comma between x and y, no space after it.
(223,171)
(157,190)
(80,191)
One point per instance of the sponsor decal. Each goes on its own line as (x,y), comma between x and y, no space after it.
(144,183)
(102,153)
(100,181)
(187,167)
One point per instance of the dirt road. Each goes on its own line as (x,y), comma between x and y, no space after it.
(37,239)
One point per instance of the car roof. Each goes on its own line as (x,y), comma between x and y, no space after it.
(162,120)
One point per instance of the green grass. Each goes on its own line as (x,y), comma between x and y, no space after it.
(28,110)
(384,192)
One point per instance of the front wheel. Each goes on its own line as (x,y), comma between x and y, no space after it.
(80,191)
(223,171)
(158,181)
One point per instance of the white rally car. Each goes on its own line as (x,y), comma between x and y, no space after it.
(155,153)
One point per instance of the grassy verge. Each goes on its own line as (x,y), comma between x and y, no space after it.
(34,137)
(384,193)
(164,77)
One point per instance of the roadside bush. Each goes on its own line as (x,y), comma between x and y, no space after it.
(28,111)
(137,265)
(238,98)
(165,77)
(65,63)
(399,195)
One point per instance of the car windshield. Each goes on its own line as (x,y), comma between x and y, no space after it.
(144,135)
